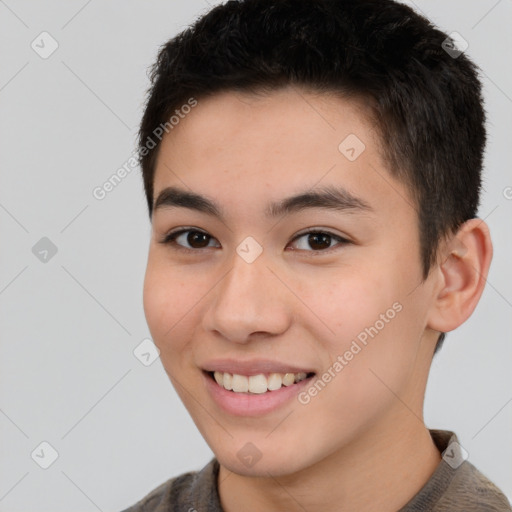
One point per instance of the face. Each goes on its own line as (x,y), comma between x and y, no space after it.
(246,281)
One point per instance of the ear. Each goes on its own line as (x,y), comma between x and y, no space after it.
(461,276)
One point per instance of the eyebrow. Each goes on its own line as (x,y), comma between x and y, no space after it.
(327,197)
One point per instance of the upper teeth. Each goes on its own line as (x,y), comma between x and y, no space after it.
(256,383)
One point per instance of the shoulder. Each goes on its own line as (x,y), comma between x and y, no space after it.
(183,493)
(160,497)
(457,485)
(471,491)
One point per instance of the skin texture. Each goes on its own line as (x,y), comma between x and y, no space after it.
(363,434)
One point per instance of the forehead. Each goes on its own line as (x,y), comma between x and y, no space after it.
(272,123)
(244,148)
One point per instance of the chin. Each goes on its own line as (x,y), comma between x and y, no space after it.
(262,457)
(272,466)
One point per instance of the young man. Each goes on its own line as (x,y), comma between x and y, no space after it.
(312,171)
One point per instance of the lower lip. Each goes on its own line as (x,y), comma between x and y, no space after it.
(252,404)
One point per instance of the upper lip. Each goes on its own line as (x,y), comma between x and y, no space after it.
(252,367)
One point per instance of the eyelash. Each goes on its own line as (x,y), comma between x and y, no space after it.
(170,240)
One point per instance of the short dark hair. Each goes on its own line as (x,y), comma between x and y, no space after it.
(425,101)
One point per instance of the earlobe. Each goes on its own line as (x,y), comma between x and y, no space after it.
(462,276)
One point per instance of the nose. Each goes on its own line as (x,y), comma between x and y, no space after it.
(248,301)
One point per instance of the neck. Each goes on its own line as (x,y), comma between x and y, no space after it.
(357,477)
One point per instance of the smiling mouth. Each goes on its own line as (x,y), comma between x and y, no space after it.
(257,384)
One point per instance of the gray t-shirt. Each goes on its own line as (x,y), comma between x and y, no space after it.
(455,486)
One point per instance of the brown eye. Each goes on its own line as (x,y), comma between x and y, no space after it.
(188,239)
(197,239)
(319,241)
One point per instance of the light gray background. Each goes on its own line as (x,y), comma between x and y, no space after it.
(69,326)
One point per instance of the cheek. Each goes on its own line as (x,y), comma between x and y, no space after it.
(346,304)
(366,321)
(168,302)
